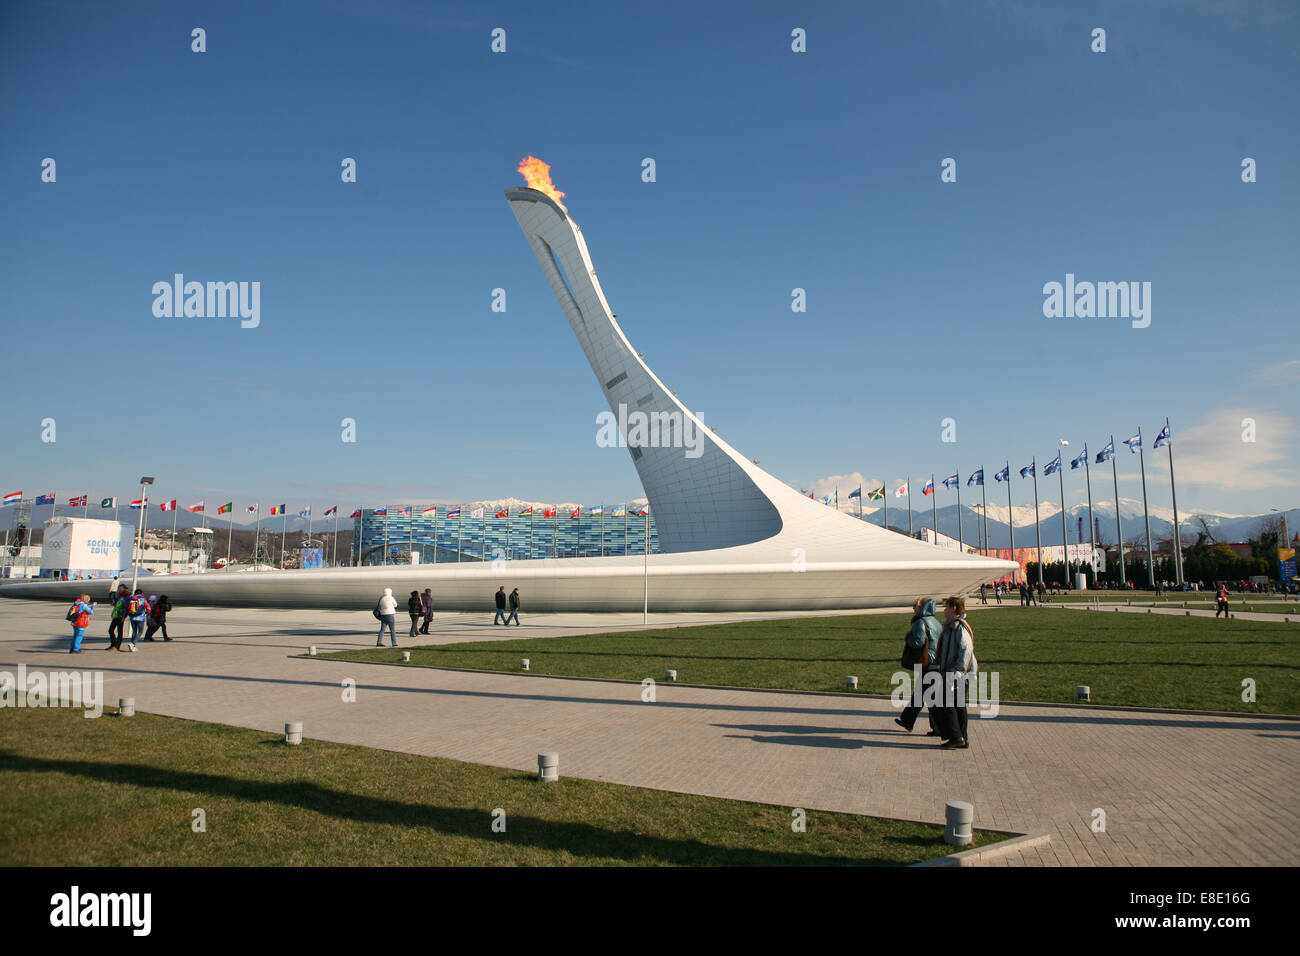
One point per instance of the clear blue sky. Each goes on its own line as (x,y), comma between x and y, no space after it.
(775,170)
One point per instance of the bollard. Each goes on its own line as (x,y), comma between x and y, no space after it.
(312,650)
(525,664)
(853,683)
(406,657)
(1148,610)
(1251,608)
(1116,610)
(1082,693)
(548,766)
(293,732)
(672,675)
(959,814)
(1187,613)
(126,707)
(1233,616)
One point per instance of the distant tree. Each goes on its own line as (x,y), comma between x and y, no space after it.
(1264,542)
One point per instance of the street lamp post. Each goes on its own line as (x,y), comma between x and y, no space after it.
(139,535)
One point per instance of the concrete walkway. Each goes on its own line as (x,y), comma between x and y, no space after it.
(1175,789)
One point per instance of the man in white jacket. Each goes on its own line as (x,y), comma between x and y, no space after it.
(956,660)
(387,611)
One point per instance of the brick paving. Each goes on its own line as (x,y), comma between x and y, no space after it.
(1176,789)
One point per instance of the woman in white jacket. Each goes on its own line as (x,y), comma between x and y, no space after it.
(387,611)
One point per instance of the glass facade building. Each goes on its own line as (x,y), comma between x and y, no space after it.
(438,539)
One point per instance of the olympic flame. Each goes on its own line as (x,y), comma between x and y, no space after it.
(538,176)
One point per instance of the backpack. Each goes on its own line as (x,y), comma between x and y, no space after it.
(134,606)
(72,614)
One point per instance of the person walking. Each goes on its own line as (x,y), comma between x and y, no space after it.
(386,611)
(956,662)
(1221,602)
(514,608)
(997,592)
(118,620)
(918,651)
(1024,597)
(415,608)
(501,606)
(158,617)
(112,589)
(984,597)
(426,605)
(79,618)
(137,609)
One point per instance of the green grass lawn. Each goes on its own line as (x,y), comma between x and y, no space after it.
(121,791)
(1040,654)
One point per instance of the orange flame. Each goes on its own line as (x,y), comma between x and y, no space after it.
(538,176)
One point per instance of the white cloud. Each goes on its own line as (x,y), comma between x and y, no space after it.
(1283,373)
(1212,453)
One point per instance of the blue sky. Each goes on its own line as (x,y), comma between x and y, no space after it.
(775,170)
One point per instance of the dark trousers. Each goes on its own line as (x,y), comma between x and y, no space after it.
(428,619)
(951,719)
(913,710)
(154,626)
(415,625)
(1222,608)
(115,632)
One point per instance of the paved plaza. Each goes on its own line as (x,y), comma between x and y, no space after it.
(1176,789)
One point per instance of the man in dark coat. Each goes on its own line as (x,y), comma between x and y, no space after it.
(514,608)
(426,601)
(415,608)
(501,605)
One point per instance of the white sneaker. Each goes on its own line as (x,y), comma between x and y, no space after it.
(132,648)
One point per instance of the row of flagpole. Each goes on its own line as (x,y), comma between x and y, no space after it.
(1031,470)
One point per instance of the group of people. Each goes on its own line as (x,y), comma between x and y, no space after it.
(946,655)
(147,614)
(420,607)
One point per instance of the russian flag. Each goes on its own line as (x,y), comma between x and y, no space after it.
(13,497)
(330,511)
(379,513)
(356,514)
(929,487)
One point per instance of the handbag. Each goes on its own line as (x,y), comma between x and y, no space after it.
(375,612)
(913,656)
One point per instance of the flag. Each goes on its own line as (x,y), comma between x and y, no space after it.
(901,491)
(1134,443)
(431,510)
(953,481)
(1106,453)
(476,513)
(277,510)
(1004,474)
(305,513)
(44,499)
(929,487)
(826,500)
(139,503)
(1162,438)
(876,493)
(620,512)
(856,493)
(1053,466)
(576,511)
(404,510)
(195,509)
(503,513)
(598,510)
(1076,462)
(225,509)
(453,513)
(810,494)
(79,501)
(355,514)
(13,497)
(643,512)
(103,502)
(379,513)
(330,511)
(167,505)
(1027,470)
(252,509)
(548,513)
(527,511)
(976,479)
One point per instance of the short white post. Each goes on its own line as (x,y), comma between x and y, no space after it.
(548,766)
(293,732)
(1082,693)
(672,675)
(525,664)
(312,650)
(126,707)
(958,831)
(406,657)
(853,683)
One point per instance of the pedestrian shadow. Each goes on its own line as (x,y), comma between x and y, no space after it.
(582,840)
(816,737)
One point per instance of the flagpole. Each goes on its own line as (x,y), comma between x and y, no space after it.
(171,555)
(1178,541)
(386,510)
(1038,528)
(460,521)
(361,535)
(885,496)
(257,533)
(555,531)
(1119,526)
(602,530)
(1092,522)
(1146,514)
(410,533)
(85,503)
(1011,523)
(284,529)
(625,527)
(934,510)
(1065,534)
(909,506)
(984,497)
(334,551)
(645,565)
(435,536)
(230,534)
(961,545)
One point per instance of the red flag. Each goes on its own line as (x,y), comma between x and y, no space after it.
(168,505)
(548,513)
(501,513)
(576,511)
(356,514)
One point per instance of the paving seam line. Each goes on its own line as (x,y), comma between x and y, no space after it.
(801,693)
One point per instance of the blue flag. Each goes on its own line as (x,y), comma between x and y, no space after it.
(1076,462)
(1004,474)
(976,479)
(1107,453)
(1134,443)
(1053,466)
(1027,470)
(1162,438)
(952,482)
(856,494)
